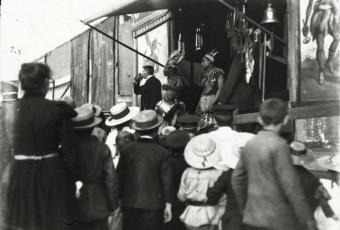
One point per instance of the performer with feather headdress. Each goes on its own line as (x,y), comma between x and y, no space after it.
(212,83)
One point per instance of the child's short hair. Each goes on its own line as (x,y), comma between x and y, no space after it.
(123,138)
(273,111)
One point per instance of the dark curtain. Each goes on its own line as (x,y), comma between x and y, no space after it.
(79,68)
(102,63)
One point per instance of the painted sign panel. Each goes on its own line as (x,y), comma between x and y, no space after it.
(320,53)
(154,44)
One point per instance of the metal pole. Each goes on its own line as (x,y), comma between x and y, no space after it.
(65,91)
(121,43)
(252,21)
(264,49)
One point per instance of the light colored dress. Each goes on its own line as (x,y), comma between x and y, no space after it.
(193,188)
(111,143)
(231,142)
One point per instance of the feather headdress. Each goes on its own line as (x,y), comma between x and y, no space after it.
(211,55)
(175,58)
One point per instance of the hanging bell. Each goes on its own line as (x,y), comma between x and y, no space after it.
(269,15)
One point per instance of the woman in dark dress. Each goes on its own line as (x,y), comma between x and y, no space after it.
(41,190)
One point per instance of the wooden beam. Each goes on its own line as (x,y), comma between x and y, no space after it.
(301,112)
(293,49)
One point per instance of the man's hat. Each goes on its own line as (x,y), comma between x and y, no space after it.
(121,113)
(202,152)
(223,112)
(85,118)
(146,120)
(188,122)
(301,155)
(178,139)
(96,110)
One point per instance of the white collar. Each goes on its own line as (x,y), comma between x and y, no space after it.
(147,77)
(143,81)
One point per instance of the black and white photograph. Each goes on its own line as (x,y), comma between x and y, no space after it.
(169,115)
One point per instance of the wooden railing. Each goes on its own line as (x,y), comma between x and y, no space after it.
(324,109)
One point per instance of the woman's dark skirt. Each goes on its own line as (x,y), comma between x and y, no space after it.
(40,196)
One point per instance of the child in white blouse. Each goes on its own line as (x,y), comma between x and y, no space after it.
(202,154)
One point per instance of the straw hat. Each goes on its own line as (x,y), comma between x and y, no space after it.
(121,113)
(300,154)
(96,110)
(202,152)
(146,120)
(85,118)
(167,130)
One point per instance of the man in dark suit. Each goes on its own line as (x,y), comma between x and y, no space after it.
(144,171)
(149,87)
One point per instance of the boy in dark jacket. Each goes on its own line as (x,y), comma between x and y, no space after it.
(145,174)
(98,191)
(265,183)
(176,141)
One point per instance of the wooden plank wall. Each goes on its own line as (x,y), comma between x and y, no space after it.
(102,66)
(293,49)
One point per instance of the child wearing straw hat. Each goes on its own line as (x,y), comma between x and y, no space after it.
(97,185)
(202,154)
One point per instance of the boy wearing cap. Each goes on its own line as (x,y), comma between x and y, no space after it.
(146,179)
(265,183)
(176,141)
(97,186)
(189,123)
